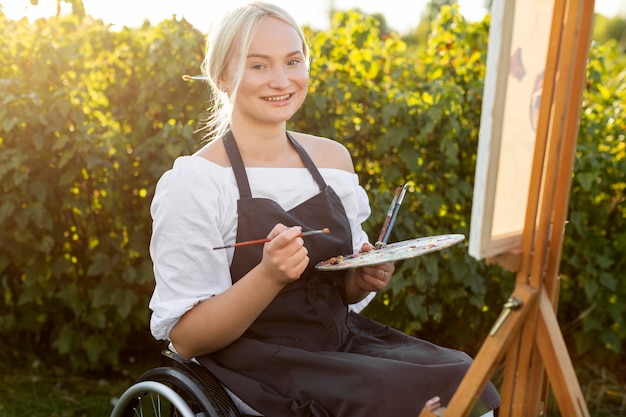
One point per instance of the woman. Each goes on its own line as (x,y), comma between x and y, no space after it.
(278,333)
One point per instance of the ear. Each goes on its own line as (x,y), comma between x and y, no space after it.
(222,84)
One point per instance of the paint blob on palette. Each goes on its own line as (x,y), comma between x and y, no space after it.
(391,253)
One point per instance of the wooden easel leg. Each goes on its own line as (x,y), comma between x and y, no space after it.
(490,355)
(510,377)
(521,406)
(518,385)
(536,383)
(558,363)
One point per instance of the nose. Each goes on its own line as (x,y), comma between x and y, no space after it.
(280,78)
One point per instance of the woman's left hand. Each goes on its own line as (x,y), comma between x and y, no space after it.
(375,277)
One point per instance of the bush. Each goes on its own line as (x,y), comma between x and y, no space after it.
(594,267)
(91,117)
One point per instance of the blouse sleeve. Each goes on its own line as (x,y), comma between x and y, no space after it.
(188,221)
(362,212)
(358,211)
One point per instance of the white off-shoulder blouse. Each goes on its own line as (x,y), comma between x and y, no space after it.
(195,209)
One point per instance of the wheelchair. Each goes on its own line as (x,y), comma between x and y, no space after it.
(184,389)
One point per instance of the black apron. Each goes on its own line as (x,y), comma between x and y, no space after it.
(306,355)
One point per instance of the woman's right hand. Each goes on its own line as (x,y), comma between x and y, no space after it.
(219,320)
(284,257)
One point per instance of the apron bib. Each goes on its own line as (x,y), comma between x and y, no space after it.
(310,311)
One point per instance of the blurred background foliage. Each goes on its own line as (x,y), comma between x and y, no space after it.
(90,117)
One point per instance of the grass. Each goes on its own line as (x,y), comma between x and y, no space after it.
(39,390)
(605,392)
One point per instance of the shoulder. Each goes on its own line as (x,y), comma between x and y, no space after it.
(192,181)
(194,170)
(215,152)
(325,153)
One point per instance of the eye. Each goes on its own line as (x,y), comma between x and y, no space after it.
(258,66)
(294,62)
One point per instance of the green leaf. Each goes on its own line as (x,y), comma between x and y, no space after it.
(6,210)
(101,265)
(68,340)
(415,303)
(586,179)
(608,281)
(126,301)
(95,345)
(591,288)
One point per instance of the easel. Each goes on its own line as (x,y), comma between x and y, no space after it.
(527,330)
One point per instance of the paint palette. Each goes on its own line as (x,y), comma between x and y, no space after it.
(391,253)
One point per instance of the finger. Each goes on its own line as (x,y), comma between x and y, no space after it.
(276,230)
(378,283)
(286,236)
(366,247)
(295,263)
(291,232)
(371,280)
(378,274)
(388,269)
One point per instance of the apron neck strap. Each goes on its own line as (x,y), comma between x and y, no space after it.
(308,162)
(237,163)
(232,150)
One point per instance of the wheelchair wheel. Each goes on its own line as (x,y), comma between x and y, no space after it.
(166,391)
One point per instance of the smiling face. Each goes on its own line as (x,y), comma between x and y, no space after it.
(274,80)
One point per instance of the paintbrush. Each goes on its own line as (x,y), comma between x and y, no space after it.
(390,219)
(258,241)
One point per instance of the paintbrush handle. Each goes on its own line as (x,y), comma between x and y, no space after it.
(390,218)
(246,243)
(258,241)
(383,231)
(392,222)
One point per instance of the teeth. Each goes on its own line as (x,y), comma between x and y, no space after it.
(285,97)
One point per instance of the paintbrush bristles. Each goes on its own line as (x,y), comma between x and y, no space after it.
(316,232)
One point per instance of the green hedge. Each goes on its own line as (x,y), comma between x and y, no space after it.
(593,295)
(90,117)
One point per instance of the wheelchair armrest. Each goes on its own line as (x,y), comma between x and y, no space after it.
(168,353)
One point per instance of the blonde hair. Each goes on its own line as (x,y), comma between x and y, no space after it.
(230,38)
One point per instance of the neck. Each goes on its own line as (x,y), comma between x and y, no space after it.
(260,147)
